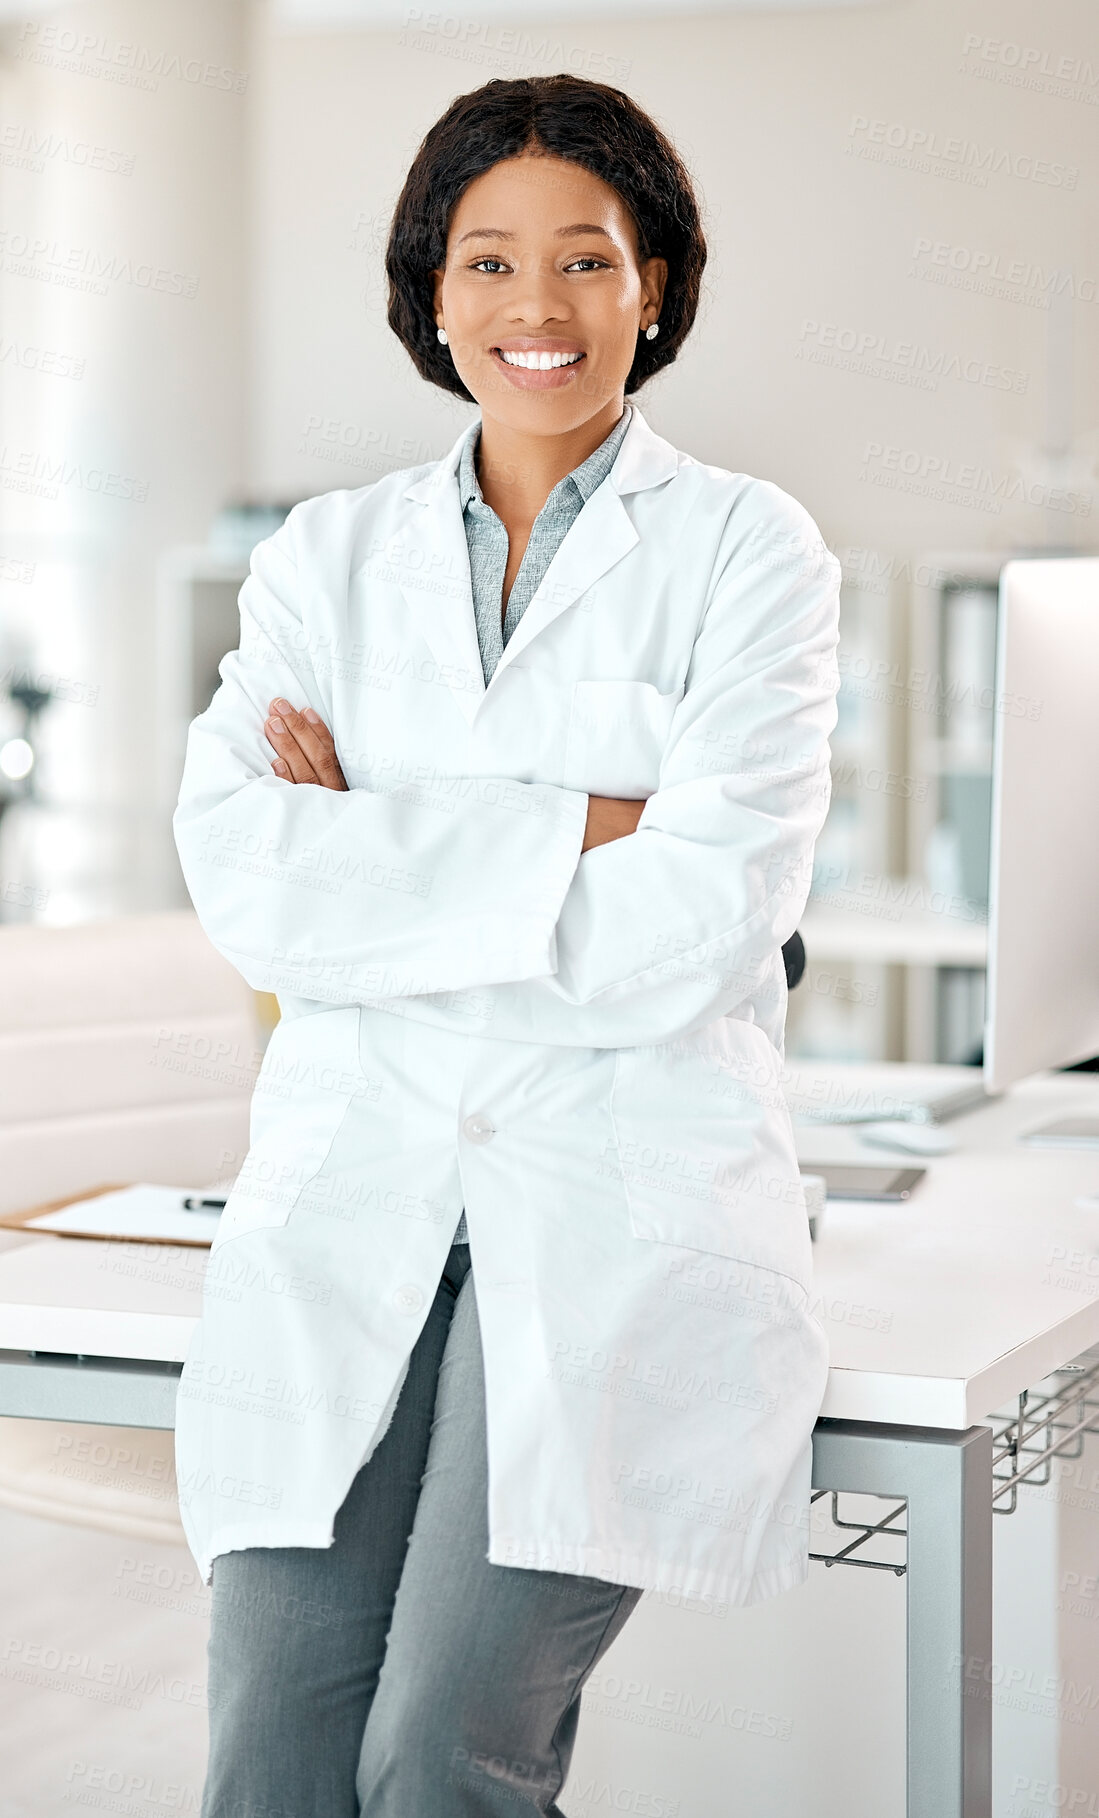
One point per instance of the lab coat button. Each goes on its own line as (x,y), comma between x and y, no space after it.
(478,1129)
(409,1298)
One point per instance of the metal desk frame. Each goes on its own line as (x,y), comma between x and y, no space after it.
(944,1481)
(945,1478)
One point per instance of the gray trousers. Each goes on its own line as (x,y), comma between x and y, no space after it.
(397,1674)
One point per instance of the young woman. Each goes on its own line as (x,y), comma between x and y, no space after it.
(510,792)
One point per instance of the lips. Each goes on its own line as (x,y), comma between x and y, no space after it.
(544,376)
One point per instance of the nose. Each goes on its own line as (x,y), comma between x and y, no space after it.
(539,296)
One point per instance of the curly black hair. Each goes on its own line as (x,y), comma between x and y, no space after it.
(571,117)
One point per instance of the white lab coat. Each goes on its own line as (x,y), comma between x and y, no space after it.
(583,1051)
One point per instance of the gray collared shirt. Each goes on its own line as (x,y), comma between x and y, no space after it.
(487,541)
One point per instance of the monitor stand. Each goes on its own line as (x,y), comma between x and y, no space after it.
(1064,1133)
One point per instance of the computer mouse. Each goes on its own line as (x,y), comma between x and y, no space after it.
(917,1139)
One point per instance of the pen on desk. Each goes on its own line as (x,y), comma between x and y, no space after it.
(191,1204)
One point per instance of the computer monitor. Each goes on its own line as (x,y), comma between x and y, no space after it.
(1042,1000)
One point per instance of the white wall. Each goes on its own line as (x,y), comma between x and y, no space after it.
(801,228)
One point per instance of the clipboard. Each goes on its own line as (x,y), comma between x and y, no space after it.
(204,1222)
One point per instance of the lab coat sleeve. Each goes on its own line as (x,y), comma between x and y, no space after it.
(667,928)
(346,895)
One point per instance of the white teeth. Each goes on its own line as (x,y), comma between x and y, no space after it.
(540,362)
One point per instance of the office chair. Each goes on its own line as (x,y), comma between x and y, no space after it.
(793,954)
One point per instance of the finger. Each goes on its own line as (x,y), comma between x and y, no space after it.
(314,740)
(286,745)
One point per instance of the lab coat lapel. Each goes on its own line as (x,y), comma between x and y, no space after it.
(601,535)
(438,588)
(435,579)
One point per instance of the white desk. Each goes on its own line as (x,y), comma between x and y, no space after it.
(972,1274)
(939,1311)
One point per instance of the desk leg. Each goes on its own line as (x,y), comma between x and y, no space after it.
(946,1478)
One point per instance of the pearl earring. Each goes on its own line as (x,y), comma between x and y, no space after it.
(652,331)
(442,335)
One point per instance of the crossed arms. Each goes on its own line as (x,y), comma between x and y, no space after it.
(307,754)
(527,911)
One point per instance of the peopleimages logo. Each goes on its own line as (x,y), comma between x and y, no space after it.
(118,60)
(35,471)
(83,268)
(1019,280)
(952,156)
(967,483)
(884,356)
(1064,74)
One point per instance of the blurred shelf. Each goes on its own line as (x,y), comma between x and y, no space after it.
(884,931)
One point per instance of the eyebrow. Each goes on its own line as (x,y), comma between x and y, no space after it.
(502,233)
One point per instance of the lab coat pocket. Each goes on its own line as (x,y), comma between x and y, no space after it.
(309,1078)
(618,732)
(706,1148)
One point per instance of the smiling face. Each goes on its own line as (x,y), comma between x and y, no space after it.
(543,294)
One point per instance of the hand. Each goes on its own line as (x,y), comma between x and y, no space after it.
(610,818)
(307,752)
